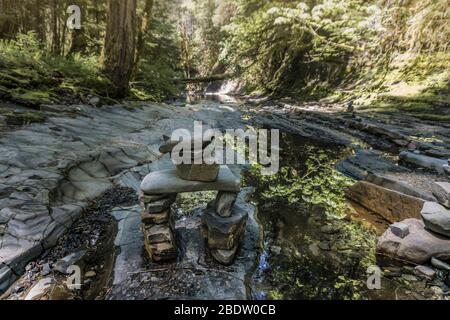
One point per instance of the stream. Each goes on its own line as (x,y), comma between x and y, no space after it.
(314,244)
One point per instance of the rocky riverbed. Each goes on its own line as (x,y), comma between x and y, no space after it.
(68,190)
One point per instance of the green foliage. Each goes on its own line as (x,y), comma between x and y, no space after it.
(279,44)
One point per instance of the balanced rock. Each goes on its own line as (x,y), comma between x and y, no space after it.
(167,181)
(159,242)
(224,233)
(224,203)
(203,141)
(436,218)
(155,218)
(161,205)
(198,172)
(417,247)
(441,191)
(145,198)
(400,229)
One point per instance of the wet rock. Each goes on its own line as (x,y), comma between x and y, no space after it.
(224,233)
(40,289)
(400,229)
(425,272)
(225,257)
(224,203)
(72,259)
(436,218)
(440,264)
(395,206)
(417,247)
(423,161)
(167,181)
(441,191)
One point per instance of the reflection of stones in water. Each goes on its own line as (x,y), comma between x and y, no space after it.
(324,254)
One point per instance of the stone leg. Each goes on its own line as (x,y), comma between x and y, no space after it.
(224,234)
(158,226)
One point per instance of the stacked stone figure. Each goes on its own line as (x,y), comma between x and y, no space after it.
(223,221)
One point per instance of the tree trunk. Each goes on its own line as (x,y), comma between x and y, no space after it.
(144,23)
(120,44)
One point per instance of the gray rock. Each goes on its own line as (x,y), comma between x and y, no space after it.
(441,191)
(425,272)
(423,161)
(446,169)
(161,205)
(399,186)
(440,264)
(417,247)
(224,233)
(155,218)
(198,172)
(170,143)
(436,218)
(167,181)
(72,259)
(224,203)
(400,229)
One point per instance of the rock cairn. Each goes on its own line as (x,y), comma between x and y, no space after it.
(223,222)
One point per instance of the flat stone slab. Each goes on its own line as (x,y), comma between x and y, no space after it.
(424,161)
(441,191)
(167,181)
(392,205)
(436,218)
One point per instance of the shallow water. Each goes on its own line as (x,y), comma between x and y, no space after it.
(313,247)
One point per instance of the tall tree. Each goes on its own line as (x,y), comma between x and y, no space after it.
(120,44)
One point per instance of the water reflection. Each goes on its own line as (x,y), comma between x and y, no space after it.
(313,250)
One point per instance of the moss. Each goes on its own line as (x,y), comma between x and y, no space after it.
(34,96)
(22,118)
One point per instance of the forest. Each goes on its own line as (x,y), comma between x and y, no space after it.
(348,101)
(341,50)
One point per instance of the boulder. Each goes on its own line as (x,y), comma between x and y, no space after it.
(224,203)
(167,181)
(417,247)
(394,206)
(424,161)
(441,191)
(436,218)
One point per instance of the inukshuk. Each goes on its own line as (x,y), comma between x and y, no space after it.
(223,222)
